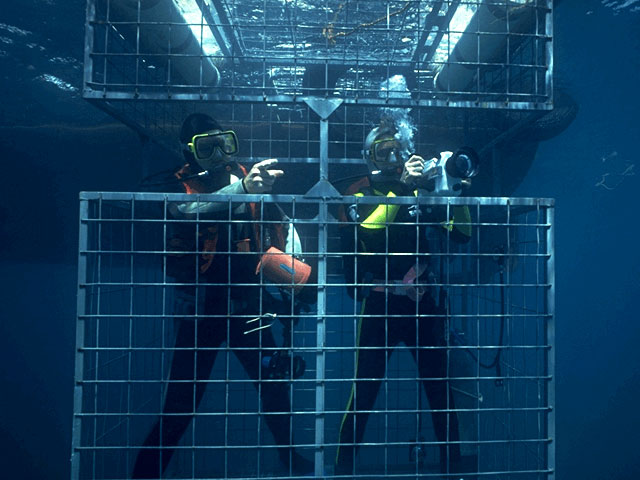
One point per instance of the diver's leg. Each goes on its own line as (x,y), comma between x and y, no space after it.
(433,370)
(370,364)
(274,395)
(183,395)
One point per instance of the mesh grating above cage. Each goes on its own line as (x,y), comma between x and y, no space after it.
(263,66)
(469,53)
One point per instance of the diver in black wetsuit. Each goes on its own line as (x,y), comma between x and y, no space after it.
(225,259)
(397,307)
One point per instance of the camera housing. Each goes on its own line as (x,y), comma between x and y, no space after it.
(446,175)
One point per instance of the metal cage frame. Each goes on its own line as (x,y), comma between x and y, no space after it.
(94,418)
(297,103)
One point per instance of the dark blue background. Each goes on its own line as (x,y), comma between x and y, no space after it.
(53,145)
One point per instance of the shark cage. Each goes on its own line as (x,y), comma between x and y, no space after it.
(337,326)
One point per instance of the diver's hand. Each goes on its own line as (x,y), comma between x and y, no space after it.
(413,169)
(260,179)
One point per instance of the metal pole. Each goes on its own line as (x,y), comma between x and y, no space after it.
(323,190)
(549,52)
(88,43)
(80,331)
(323,215)
(550,337)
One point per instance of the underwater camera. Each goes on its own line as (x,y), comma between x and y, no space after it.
(281,365)
(447,175)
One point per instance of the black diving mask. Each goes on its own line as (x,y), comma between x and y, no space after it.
(386,153)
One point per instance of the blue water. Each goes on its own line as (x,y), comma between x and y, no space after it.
(51,150)
(598,260)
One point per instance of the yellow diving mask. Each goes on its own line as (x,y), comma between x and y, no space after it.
(205,146)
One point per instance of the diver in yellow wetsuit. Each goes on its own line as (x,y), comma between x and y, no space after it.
(397,306)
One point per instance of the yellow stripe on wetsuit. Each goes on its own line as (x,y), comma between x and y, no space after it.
(353,385)
(382,215)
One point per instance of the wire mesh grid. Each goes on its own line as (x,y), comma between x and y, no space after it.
(291,133)
(186,372)
(468,53)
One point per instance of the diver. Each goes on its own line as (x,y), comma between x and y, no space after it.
(388,269)
(218,298)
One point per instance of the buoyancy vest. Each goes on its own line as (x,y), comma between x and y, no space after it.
(215,232)
(391,231)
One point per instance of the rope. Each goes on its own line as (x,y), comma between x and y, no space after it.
(329,33)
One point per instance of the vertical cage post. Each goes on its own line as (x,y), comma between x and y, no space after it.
(80,335)
(321,339)
(550,338)
(88,42)
(549,52)
(324,108)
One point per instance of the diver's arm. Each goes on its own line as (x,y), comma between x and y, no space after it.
(261,177)
(412,171)
(190,210)
(462,224)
